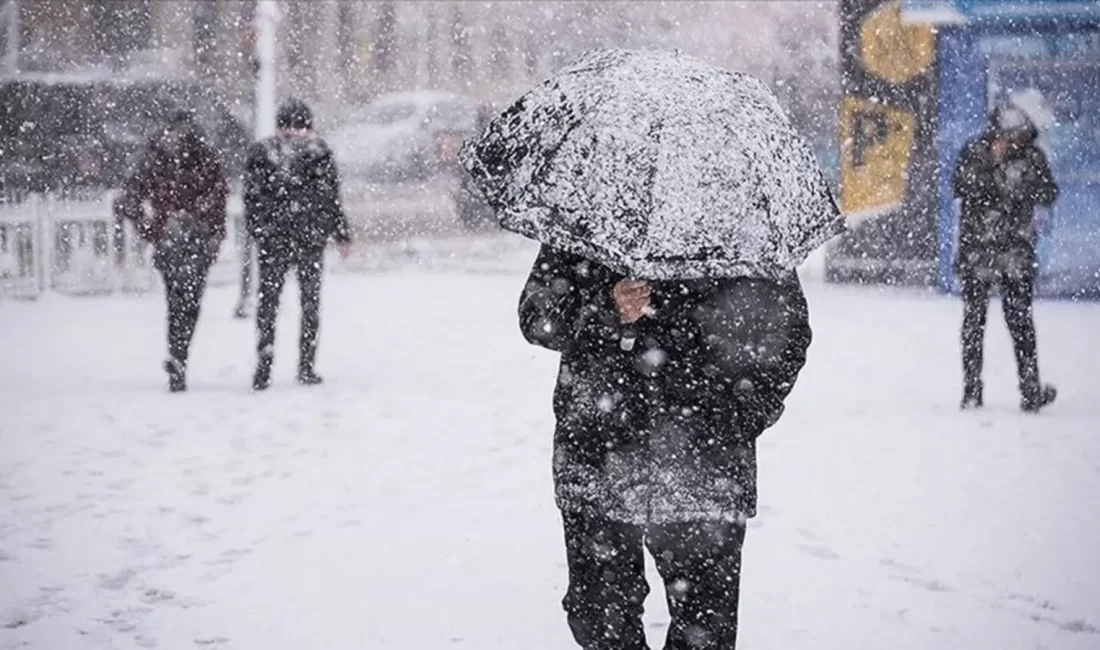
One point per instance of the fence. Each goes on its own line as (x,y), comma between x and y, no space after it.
(73,246)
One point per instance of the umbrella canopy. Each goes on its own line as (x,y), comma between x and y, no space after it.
(657,165)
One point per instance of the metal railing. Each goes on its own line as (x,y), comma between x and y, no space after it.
(74,246)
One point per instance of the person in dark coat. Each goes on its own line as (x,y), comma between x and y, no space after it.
(180,175)
(1000,178)
(292,205)
(662,392)
(233,140)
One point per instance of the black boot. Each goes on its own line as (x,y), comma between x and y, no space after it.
(307,353)
(972,396)
(307,377)
(261,380)
(1037,397)
(177,379)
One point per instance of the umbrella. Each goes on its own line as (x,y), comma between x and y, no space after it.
(657,165)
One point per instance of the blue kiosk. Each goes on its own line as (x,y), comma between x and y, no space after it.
(1044,56)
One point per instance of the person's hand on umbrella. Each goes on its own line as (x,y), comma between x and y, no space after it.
(633,298)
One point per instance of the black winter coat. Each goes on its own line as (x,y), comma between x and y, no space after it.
(664,432)
(997,224)
(177,173)
(292,192)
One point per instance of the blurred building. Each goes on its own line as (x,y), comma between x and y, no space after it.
(920,77)
(338,54)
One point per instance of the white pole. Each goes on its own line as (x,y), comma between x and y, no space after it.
(267,21)
(11,57)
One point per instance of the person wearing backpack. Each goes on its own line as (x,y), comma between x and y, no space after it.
(292,207)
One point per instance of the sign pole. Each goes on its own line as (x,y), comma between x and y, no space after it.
(267,20)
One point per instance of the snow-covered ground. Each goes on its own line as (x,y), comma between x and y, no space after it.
(407,504)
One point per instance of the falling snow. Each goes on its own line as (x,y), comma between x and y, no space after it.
(409,501)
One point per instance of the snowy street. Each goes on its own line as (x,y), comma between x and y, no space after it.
(407,503)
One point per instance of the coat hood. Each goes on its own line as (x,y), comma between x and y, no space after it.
(1012,123)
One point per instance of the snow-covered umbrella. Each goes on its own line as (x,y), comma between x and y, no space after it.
(658,165)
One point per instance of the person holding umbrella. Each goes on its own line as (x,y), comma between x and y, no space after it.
(673,202)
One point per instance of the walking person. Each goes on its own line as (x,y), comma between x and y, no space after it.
(292,204)
(180,176)
(655,444)
(666,280)
(1000,178)
(234,142)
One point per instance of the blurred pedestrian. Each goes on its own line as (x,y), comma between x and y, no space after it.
(292,205)
(233,141)
(1001,177)
(180,176)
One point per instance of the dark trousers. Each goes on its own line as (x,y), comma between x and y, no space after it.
(246,272)
(275,262)
(245,246)
(700,564)
(184,286)
(1016,298)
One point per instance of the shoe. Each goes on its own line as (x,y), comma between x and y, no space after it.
(177,380)
(971,402)
(262,379)
(972,398)
(1033,401)
(309,378)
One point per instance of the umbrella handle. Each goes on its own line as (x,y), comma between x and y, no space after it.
(628,339)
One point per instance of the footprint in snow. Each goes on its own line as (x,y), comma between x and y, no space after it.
(41,543)
(233,499)
(1079,626)
(820,551)
(117,580)
(807,534)
(901,566)
(930,585)
(163,597)
(242,481)
(17,617)
(230,556)
(1043,603)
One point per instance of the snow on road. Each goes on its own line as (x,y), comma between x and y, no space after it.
(407,503)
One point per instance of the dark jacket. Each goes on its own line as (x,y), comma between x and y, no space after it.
(178,172)
(664,432)
(997,224)
(292,191)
